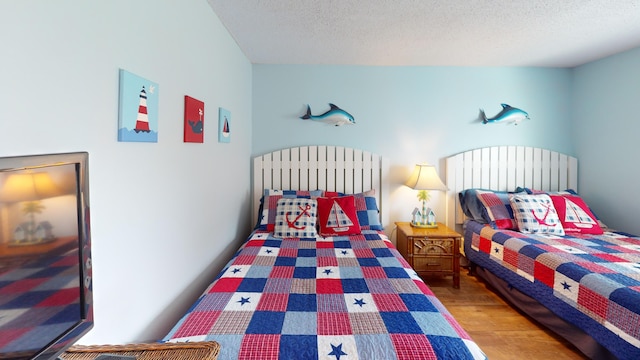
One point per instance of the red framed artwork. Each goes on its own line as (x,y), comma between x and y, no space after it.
(193,120)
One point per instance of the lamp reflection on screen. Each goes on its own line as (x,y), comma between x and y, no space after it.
(424,178)
(29,189)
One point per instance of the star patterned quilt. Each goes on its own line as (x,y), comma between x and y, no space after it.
(339,298)
(591,281)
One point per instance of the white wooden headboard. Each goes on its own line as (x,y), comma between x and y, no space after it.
(332,168)
(504,168)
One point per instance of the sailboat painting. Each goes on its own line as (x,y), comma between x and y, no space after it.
(224,120)
(138,109)
(193,120)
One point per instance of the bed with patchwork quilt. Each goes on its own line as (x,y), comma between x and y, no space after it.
(537,242)
(342,297)
(318,278)
(592,281)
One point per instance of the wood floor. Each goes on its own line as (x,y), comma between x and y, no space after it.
(501,331)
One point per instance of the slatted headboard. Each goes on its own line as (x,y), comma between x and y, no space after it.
(332,168)
(504,168)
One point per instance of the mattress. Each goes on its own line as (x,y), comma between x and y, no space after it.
(591,281)
(342,297)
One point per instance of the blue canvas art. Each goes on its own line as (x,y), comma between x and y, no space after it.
(224,129)
(138,113)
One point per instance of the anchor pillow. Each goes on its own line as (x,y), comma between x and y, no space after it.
(575,215)
(269,203)
(535,214)
(296,218)
(337,216)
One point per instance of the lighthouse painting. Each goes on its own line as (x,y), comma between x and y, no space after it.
(224,129)
(138,113)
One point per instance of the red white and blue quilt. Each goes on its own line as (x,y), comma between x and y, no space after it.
(591,281)
(339,298)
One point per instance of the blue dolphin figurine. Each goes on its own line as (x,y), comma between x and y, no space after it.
(335,116)
(507,114)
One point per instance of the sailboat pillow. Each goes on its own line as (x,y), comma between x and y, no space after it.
(575,215)
(337,216)
(366,208)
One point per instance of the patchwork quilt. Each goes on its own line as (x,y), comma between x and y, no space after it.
(591,281)
(343,297)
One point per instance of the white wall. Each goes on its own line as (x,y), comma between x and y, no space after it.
(165,216)
(605,128)
(410,114)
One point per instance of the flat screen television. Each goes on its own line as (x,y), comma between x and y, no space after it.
(45,254)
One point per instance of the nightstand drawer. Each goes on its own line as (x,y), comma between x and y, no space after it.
(429,263)
(430,246)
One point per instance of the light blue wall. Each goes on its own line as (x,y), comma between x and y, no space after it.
(605,129)
(165,216)
(410,114)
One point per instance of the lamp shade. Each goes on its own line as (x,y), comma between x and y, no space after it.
(30,186)
(424,177)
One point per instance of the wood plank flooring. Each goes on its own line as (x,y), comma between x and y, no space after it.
(501,331)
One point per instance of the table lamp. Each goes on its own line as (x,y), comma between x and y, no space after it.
(424,178)
(30,188)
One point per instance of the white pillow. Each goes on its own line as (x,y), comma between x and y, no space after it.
(535,214)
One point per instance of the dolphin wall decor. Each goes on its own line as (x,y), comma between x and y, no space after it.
(334,116)
(508,114)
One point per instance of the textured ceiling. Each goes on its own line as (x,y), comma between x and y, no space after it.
(558,33)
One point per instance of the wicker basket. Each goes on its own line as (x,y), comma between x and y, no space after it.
(205,350)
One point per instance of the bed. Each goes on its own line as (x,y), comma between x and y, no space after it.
(582,282)
(291,294)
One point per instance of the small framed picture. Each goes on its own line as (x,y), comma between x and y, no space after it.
(224,126)
(193,120)
(138,109)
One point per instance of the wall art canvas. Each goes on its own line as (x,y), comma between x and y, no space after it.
(138,112)
(224,129)
(193,120)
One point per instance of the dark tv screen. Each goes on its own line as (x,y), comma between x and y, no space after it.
(45,254)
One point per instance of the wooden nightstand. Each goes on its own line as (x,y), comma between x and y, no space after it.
(431,251)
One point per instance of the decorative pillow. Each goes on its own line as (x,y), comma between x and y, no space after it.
(296,218)
(269,203)
(366,209)
(536,192)
(575,215)
(535,214)
(471,205)
(337,216)
(564,192)
(497,210)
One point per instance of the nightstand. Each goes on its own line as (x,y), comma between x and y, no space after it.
(431,251)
